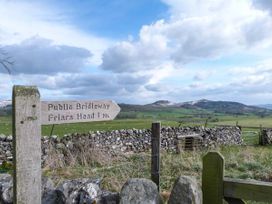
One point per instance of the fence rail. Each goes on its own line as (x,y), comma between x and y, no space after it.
(216,188)
(248,190)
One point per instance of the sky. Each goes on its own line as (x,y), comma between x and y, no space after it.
(138,51)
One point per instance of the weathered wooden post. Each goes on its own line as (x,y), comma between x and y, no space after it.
(26,145)
(212,178)
(261,136)
(206,123)
(155,153)
(28,115)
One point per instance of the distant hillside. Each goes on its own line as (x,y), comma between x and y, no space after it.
(5,103)
(162,103)
(226,107)
(202,106)
(267,106)
(5,107)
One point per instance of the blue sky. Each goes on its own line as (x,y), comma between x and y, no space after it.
(139,51)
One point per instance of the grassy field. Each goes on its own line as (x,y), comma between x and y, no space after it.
(250,133)
(252,121)
(244,162)
(6,127)
(145,122)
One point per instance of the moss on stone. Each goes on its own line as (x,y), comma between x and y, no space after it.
(19,90)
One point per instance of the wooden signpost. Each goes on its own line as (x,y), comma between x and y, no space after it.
(28,115)
(59,112)
(26,145)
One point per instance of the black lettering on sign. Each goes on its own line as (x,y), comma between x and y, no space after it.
(59,112)
(50,106)
(59,106)
(59,117)
(82,116)
(105,115)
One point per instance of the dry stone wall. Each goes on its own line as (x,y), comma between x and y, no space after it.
(77,191)
(132,140)
(86,190)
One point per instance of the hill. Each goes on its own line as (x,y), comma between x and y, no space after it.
(267,106)
(5,103)
(5,107)
(227,107)
(201,106)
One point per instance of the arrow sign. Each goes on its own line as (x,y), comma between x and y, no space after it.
(59,112)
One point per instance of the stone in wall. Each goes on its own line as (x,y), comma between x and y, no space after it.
(138,191)
(75,191)
(186,191)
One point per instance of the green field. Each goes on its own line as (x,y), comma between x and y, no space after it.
(144,120)
(250,123)
(6,127)
(243,162)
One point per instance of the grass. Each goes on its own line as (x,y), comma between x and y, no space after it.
(244,162)
(6,127)
(144,122)
(241,162)
(252,121)
(106,126)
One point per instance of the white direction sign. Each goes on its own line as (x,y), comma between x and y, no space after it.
(59,112)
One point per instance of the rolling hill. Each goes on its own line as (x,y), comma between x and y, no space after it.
(227,107)
(203,105)
(267,106)
(5,107)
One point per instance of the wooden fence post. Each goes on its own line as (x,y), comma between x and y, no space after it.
(26,145)
(261,138)
(206,123)
(155,153)
(212,178)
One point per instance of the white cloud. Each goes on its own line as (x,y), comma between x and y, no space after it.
(81,85)
(21,20)
(263,67)
(154,65)
(248,84)
(264,4)
(6,83)
(255,79)
(196,30)
(40,56)
(203,74)
(136,56)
